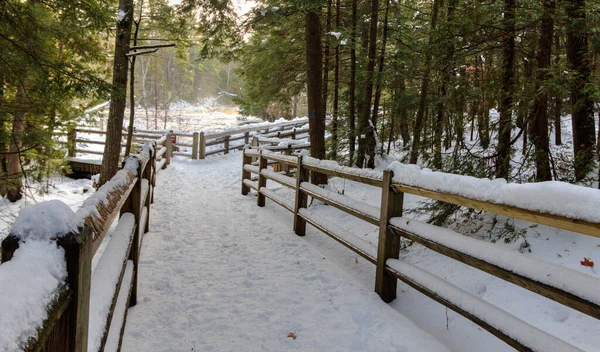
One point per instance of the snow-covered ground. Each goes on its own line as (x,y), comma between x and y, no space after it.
(70,191)
(218,273)
(221,225)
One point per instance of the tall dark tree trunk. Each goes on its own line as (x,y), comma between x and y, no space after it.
(116,113)
(132,88)
(540,108)
(314,66)
(363,82)
(403,113)
(378,89)
(352,89)
(584,134)
(508,73)
(420,119)
(557,98)
(326,56)
(336,88)
(14,172)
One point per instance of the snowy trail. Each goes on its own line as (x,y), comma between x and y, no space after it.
(218,273)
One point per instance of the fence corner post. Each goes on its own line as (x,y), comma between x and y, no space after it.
(78,255)
(246,137)
(195,146)
(202,146)
(302,175)
(388,244)
(262,180)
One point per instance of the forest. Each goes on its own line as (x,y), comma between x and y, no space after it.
(495,89)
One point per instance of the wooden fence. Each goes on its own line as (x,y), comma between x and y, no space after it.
(199,144)
(75,321)
(549,280)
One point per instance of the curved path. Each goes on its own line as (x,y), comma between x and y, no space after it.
(218,273)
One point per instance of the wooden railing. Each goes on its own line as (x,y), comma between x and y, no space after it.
(201,143)
(89,312)
(568,287)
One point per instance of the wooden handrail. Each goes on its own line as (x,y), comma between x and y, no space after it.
(476,253)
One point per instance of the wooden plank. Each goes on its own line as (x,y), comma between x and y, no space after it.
(286,181)
(553,293)
(388,246)
(580,226)
(323,195)
(50,334)
(246,173)
(349,176)
(328,229)
(285,159)
(479,316)
(215,151)
(285,203)
(251,184)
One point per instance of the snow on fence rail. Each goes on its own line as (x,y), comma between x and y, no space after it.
(57,302)
(568,287)
(197,145)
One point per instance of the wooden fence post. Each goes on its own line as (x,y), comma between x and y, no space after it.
(246,137)
(195,146)
(262,180)
(246,175)
(302,175)
(133,205)
(294,133)
(202,146)
(72,141)
(149,175)
(226,143)
(78,255)
(389,244)
(169,147)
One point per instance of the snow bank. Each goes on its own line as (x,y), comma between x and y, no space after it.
(546,197)
(29,282)
(44,221)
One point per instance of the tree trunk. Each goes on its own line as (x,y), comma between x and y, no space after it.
(132,91)
(14,172)
(508,74)
(420,119)
(336,88)
(314,65)
(112,149)
(379,84)
(352,90)
(540,107)
(557,98)
(155,94)
(326,58)
(367,135)
(584,134)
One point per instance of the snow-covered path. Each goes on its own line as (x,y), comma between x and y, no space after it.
(218,273)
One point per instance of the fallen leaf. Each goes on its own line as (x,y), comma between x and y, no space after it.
(566,250)
(587,262)
(560,256)
(356,260)
(533,226)
(292,335)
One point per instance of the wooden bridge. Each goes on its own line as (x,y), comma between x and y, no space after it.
(69,326)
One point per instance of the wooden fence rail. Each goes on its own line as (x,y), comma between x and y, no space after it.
(199,142)
(82,317)
(568,287)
